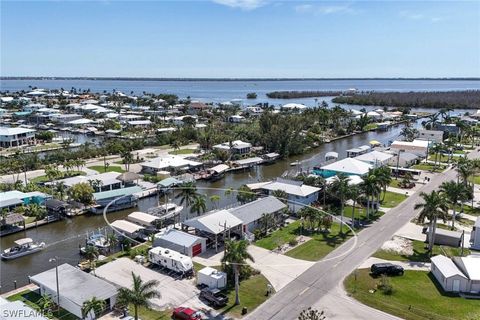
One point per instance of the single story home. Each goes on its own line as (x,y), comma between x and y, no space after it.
(348,166)
(375,158)
(237,147)
(298,194)
(75,288)
(251,212)
(431,135)
(100,182)
(403,159)
(14,137)
(183,242)
(459,274)
(10,199)
(171,163)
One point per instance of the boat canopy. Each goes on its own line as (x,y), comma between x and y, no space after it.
(220,168)
(24,241)
(331,155)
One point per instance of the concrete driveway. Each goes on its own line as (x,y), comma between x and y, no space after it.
(279,269)
(174,292)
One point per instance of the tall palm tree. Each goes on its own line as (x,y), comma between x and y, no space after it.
(236,255)
(127,159)
(434,207)
(45,304)
(354,193)
(188,193)
(340,188)
(453,191)
(215,199)
(94,304)
(384,177)
(371,189)
(140,293)
(91,253)
(199,205)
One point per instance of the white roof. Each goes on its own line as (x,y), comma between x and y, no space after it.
(178,237)
(414,143)
(219,168)
(80,121)
(291,187)
(294,106)
(7,131)
(214,221)
(349,165)
(446,266)
(353,180)
(139,122)
(140,217)
(107,178)
(126,226)
(212,272)
(471,265)
(23,241)
(170,161)
(374,156)
(237,144)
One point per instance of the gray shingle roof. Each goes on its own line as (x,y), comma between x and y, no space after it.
(253,211)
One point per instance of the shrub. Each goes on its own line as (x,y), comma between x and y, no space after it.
(293,242)
(385,286)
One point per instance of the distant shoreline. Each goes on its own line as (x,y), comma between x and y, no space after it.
(229,79)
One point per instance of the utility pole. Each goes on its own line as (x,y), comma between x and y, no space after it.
(56,277)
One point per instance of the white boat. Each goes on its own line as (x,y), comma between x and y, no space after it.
(22,248)
(166,211)
(98,240)
(296,163)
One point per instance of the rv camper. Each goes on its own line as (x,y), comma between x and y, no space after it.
(171,260)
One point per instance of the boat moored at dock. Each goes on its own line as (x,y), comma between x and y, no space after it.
(22,248)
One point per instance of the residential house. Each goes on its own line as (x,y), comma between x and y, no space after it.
(459,274)
(14,137)
(431,135)
(236,147)
(355,152)
(251,213)
(375,158)
(171,163)
(348,166)
(417,147)
(11,199)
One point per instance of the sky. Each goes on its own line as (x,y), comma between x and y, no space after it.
(240,38)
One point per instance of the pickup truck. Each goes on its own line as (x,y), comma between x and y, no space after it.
(214,297)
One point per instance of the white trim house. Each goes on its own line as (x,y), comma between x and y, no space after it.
(14,137)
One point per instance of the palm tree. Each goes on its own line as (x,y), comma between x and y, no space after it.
(453,191)
(215,199)
(267,221)
(45,304)
(199,205)
(188,193)
(341,188)
(236,255)
(353,194)
(127,159)
(370,188)
(91,253)
(112,240)
(384,177)
(94,304)
(61,189)
(434,206)
(140,293)
(280,195)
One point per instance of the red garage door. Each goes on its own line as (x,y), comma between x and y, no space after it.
(197,249)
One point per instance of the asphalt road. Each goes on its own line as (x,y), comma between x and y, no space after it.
(308,288)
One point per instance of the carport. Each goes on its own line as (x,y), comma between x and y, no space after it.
(216,226)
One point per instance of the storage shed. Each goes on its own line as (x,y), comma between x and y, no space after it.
(212,278)
(445,237)
(185,243)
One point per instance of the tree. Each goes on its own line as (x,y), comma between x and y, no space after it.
(215,199)
(94,304)
(434,206)
(112,240)
(266,222)
(236,255)
(140,294)
(82,192)
(199,205)
(312,314)
(280,195)
(45,304)
(354,194)
(91,253)
(127,159)
(35,210)
(244,194)
(341,189)
(453,192)
(371,189)
(188,193)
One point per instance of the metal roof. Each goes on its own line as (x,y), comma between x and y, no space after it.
(291,187)
(126,226)
(116,193)
(142,217)
(214,222)
(254,210)
(348,165)
(446,266)
(75,285)
(178,237)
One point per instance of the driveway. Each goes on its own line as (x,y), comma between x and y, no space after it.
(279,269)
(407,265)
(174,292)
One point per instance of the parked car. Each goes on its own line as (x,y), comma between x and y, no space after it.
(214,297)
(386,268)
(182,313)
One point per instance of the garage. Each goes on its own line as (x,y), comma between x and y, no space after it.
(183,242)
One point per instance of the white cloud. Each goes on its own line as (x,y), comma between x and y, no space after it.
(242,4)
(325,10)
(419,16)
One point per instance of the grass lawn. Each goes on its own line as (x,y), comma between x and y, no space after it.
(43,179)
(29,220)
(370,126)
(392,199)
(361,214)
(30,298)
(280,236)
(441,158)
(416,296)
(183,151)
(252,294)
(101,169)
(429,167)
(150,314)
(472,211)
(420,253)
(476,179)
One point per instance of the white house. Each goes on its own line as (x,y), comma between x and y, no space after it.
(375,158)
(294,107)
(171,163)
(347,166)
(106,181)
(75,287)
(417,147)
(237,146)
(14,137)
(298,194)
(431,135)
(459,274)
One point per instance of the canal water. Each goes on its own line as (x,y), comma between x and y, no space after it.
(64,237)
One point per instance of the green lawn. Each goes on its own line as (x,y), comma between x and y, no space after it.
(361,213)
(429,167)
(29,220)
(441,158)
(280,236)
(101,169)
(392,199)
(472,211)
(150,314)
(183,151)
(252,294)
(476,179)
(420,253)
(30,298)
(43,179)
(416,296)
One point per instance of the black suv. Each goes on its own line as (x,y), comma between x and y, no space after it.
(386,268)
(214,297)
